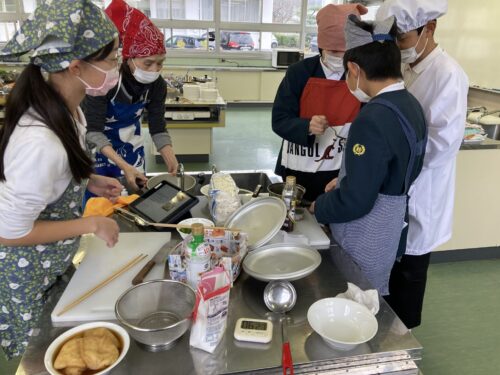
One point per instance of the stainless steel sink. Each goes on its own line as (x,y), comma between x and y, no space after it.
(492,131)
(244,179)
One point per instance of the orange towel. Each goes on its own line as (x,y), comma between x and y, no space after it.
(104,207)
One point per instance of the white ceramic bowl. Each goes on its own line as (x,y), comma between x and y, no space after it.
(342,323)
(56,344)
(205,222)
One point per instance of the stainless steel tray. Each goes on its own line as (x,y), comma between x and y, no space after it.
(281,262)
(260,218)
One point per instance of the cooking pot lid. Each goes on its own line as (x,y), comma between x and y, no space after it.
(261,219)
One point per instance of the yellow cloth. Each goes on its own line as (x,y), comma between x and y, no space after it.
(104,207)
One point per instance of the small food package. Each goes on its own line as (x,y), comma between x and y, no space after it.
(227,249)
(210,314)
(223,197)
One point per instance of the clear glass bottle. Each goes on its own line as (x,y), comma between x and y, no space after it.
(198,255)
(289,192)
(289,196)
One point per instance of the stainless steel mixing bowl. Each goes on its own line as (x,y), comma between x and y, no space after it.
(156,313)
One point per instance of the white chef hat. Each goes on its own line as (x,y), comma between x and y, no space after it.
(412,14)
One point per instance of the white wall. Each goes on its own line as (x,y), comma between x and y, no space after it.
(470,32)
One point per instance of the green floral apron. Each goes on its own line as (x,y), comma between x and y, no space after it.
(27,272)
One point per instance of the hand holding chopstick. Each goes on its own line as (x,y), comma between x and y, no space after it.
(113,276)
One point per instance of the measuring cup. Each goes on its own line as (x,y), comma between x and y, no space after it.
(280,297)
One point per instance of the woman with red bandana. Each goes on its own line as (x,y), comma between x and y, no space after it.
(114,127)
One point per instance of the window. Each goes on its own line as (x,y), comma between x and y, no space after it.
(213,27)
(8,6)
(7,30)
(240,10)
(281,11)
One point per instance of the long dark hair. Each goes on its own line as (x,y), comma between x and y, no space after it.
(32,91)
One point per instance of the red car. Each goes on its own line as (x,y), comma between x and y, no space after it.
(236,40)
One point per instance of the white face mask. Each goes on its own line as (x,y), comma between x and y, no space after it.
(144,76)
(334,63)
(110,81)
(359,94)
(410,55)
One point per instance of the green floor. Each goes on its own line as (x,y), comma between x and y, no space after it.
(461,322)
(247,142)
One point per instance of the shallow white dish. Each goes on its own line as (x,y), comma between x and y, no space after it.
(205,222)
(55,345)
(343,324)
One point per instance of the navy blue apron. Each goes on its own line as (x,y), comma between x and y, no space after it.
(372,240)
(123,129)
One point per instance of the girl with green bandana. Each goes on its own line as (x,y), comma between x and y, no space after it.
(43,163)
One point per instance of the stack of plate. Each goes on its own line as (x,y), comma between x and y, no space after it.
(191,92)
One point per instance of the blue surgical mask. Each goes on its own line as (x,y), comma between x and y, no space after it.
(359,94)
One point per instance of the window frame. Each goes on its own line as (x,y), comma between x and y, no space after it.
(301,28)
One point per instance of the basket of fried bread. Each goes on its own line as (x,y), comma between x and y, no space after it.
(91,348)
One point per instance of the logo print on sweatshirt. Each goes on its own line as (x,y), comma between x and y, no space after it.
(358,149)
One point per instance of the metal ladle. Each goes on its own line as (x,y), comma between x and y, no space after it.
(280,297)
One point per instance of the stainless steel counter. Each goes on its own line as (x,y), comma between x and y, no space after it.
(393,350)
(487,144)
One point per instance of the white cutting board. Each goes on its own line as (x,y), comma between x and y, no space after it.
(306,231)
(98,263)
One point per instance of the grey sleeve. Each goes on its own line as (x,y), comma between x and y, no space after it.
(97,140)
(161,140)
(156,115)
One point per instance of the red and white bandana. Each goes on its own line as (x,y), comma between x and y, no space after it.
(139,36)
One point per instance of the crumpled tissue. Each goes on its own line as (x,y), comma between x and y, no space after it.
(368,298)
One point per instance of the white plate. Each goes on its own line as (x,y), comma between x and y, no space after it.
(281,262)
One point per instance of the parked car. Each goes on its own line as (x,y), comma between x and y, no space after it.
(211,40)
(239,40)
(274,41)
(182,41)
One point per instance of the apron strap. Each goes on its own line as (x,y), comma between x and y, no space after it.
(417,148)
(118,88)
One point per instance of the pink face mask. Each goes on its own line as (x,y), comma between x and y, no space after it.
(110,81)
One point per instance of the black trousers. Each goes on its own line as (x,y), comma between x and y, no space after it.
(407,288)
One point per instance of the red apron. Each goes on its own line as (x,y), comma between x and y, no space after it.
(332,99)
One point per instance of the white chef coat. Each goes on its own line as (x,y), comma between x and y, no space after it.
(441,87)
(37,173)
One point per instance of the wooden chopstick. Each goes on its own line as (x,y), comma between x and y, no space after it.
(113,276)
